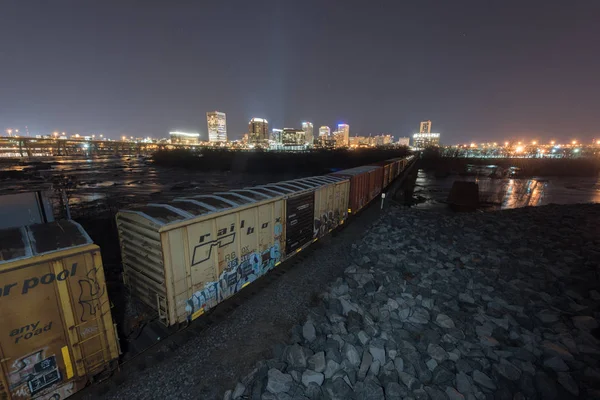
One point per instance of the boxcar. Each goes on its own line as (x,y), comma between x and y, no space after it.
(184,257)
(365,185)
(57,328)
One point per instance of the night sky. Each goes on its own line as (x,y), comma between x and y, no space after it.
(480,70)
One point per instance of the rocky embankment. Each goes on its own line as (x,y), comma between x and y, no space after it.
(501,305)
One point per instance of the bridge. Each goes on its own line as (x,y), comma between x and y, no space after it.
(15,147)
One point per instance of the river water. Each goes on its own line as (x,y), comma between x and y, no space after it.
(431,192)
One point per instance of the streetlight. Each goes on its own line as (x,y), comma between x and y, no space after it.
(552,142)
(506,144)
(574,142)
(9,131)
(55,134)
(534,142)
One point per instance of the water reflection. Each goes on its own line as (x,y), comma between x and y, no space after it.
(508,193)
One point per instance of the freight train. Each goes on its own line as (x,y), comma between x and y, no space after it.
(184,257)
(181,258)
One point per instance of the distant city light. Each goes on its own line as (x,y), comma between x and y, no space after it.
(506,143)
(552,142)
(188,134)
(574,142)
(534,142)
(519,149)
(576,151)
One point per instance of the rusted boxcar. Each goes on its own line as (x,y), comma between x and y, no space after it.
(365,185)
(57,329)
(184,257)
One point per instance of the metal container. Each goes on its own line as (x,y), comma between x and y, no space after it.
(184,257)
(363,185)
(57,333)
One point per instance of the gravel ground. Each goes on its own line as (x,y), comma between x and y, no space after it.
(501,305)
(204,365)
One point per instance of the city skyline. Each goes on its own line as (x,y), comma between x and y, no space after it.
(147,74)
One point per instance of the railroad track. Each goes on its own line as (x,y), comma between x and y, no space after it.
(174,338)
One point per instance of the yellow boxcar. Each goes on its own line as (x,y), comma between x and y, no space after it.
(184,257)
(57,332)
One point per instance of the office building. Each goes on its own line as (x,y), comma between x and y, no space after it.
(293,137)
(307,127)
(343,134)
(324,132)
(423,140)
(258,131)
(425,127)
(404,141)
(190,138)
(217,126)
(382,140)
(276,136)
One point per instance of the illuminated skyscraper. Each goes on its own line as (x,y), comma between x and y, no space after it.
(307,127)
(258,131)
(425,127)
(276,135)
(324,132)
(343,134)
(293,137)
(217,126)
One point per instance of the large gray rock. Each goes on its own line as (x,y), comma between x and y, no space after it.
(399,364)
(365,364)
(310,376)
(309,332)
(409,380)
(435,394)
(566,380)
(313,391)
(394,391)
(444,321)
(465,298)
(331,368)
(297,356)
(483,380)
(377,350)
(372,390)
(239,390)
(278,382)
(437,353)
(419,316)
(554,349)
(351,354)
(585,322)
(363,338)
(463,383)
(316,362)
(508,370)
(556,364)
(337,390)
(547,316)
(453,394)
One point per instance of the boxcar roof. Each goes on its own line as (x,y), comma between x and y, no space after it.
(34,240)
(187,208)
(356,170)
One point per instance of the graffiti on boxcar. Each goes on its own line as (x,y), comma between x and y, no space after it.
(327,222)
(203,251)
(238,273)
(90,293)
(32,373)
(60,393)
